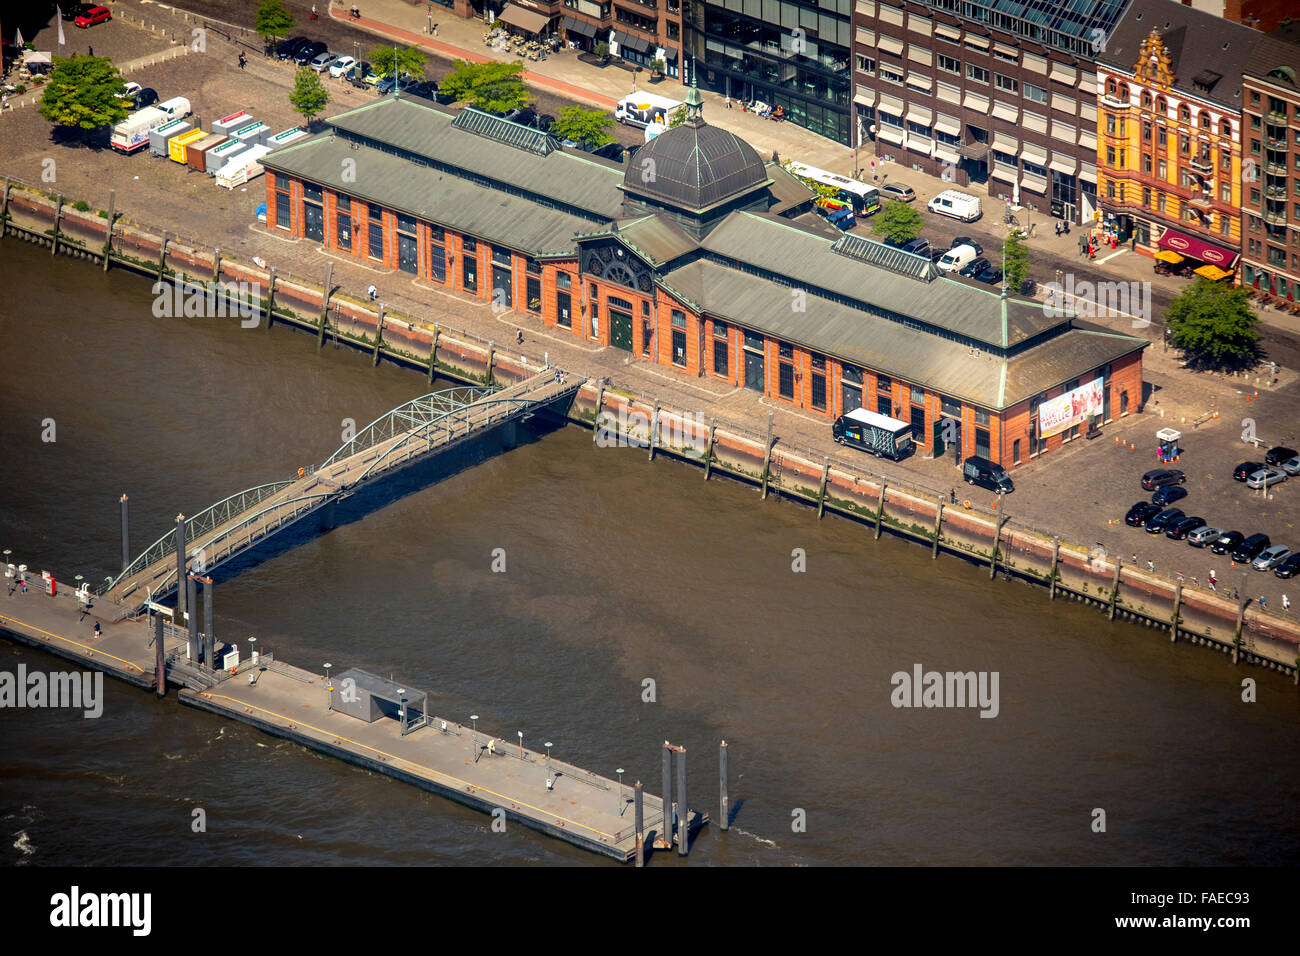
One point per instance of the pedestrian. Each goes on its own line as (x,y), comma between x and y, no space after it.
(1180,577)
(313,11)
(1196,582)
(90,51)
(1057,228)
(1211,579)
(435,29)
(1067,227)
(519,336)
(1135,557)
(1151,566)
(952,496)
(97,627)
(22,585)
(1286,603)
(242,59)
(372,291)
(729,106)
(1263,602)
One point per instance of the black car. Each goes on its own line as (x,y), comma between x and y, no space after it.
(1288,568)
(1227,541)
(146,97)
(1163,520)
(1166,496)
(309,52)
(1246,469)
(918,247)
(1249,549)
(74,10)
(423,89)
(1178,530)
(990,275)
(975,265)
(612,151)
(968,241)
(1162,477)
(1278,454)
(286,49)
(1137,515)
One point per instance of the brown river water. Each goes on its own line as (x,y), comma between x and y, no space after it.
(617,570)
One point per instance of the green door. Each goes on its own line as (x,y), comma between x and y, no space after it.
(620,329)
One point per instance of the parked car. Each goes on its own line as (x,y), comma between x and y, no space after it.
(130,91)
(1266,478)
(1204,535)
(1162,477)
(955,205)
(1249,549)
(990,274)
(287,49)
(1278,454)
(898,191)
(1180,529)
(308,52)
(146,97)
(1270,558)
(1226,542)
(1290,567)
(968,241)
(322,61)
(385,85)
(92,16)
(1291,466)
(1164,497)
(1139,514)
(978,470)
(1246,469)
(74,10)
(974,266)
(425,89)
(1161,522)
(341,65)
(918,247)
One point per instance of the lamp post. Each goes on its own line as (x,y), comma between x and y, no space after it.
(620,771)
(252,649)
(521,744)
(329,688)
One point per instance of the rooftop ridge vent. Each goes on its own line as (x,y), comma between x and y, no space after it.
(886,257)
(504,131)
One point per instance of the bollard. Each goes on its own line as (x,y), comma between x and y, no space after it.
(638,802)
(126,535)
(1056,558)
(683,832)
(880,509)
(767,454)
(108,236)
(708,455)
(180,563)
(724,801)
(160,663)
(665,839)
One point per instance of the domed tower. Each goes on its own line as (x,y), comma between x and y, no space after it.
(696,173)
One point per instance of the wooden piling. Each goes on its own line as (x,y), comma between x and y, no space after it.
(433,351)
(159,659)
(683,830)
(638,803)
(595,422)
(192,603)
(108,235)
(58,218)
(1056,563)
(379,339)
(162,256)
(1114,589)
(654,430)
(821,491)
(1178,606)
(180,562)
(270,303)
(126,533)
(665,838)
(724,801)
(491,360)
(767,454)
(4,209)
(209,635)
(997,542)
(708,455)
(938,524)
(880,509)
(325,305)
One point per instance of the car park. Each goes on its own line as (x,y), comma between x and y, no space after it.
(1164,497)
(1162,477)
(956,258)
(1227,542)
(287,49)
(1137,515)
(321,61)
(991,275)
(341,65)
(955,205)
(1246,469)
(1161,522)
(1278,454)
(976,265)
(309,52)
(130,91)
(74,10)
(1266,478)
(898,191)
(1204,535)
(1180,529)
(1290,567)
(146,97)
(1270,558)
(92,16)
(967,241)
(1291,466)
(1249,549)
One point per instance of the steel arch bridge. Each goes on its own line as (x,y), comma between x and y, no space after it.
(411,431)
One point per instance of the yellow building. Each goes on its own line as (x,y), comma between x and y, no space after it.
(1169,154)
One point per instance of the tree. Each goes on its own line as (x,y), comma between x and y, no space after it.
(81,94)
(492,87)
(388,61)
(309,96)
(1214,326)
(1016,256)
(897,222)
(602,51)
(273,20)
(583,126)
(657,67)
(678,117)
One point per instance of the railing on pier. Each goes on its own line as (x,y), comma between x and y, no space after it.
(414,414)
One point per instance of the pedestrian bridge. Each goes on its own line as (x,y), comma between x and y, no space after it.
(409,433)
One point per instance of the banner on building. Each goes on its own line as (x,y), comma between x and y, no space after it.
(1070,409)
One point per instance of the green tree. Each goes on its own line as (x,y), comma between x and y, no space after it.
(492,87)
(897,222)
(273,20)
(389,61)
(81,94)
(1016,256)
(678,117)
(309,96)
(583,126)
(1214,326)
(601,50)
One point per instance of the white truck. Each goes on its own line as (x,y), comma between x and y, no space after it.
(642,109)
(132,134)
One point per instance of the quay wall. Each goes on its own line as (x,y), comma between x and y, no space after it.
(1067,570)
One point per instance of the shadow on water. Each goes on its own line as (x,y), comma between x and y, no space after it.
(405,481)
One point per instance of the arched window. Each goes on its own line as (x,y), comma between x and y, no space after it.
(1205,120)
(1146,100)
(1226,129)
(1123,92)
(1110,88)
(1184,114)
(1162,107)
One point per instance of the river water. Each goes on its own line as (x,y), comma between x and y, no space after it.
(617,570)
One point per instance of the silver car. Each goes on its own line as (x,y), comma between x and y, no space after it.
(1270,558)
(1291,466)
(323,61)
(1204,536)
(1265,478)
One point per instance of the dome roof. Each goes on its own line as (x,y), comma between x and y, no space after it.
(695,167)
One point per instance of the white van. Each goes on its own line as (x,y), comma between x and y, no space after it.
(176,107)
(958,257)
(956,205)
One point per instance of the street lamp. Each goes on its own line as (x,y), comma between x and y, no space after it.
(521,744)
(252,649)
(620,771)
(329,688)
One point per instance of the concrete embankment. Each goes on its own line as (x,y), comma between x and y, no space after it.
(1065,569)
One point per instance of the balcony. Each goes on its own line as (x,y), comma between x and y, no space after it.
(1275,192)
(1202,164)
(1203,201)
(1111,103)
(1278,144)
(1277,169)
(1274,116)
(1276,218)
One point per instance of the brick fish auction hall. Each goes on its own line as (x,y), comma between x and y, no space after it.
(699,256)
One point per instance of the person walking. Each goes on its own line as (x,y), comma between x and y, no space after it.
(1057,227)
(372,292)
(1263,602)
(90,51)
(1286,603)
(1151,566)
(1212,580)
(22,585)
(97,631)
(242,59)
(313,11)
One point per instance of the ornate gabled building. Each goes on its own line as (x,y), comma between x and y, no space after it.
(698,256)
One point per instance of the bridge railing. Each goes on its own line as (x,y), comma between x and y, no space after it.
(404,418)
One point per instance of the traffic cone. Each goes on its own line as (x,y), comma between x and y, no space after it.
(1247,399)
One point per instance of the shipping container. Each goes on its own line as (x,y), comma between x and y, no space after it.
(228,124)
(255,134)
(159,137)
(243,167)
(196,154)
(177,145)
(218,156)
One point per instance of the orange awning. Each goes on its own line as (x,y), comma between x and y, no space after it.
(1168,255)
(1212,272)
